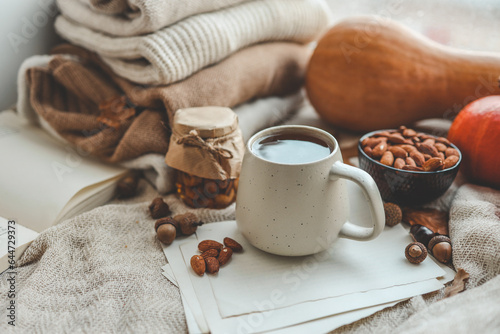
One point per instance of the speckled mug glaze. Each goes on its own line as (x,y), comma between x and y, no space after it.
(301,209)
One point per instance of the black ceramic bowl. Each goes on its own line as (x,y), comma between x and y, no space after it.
(403,186)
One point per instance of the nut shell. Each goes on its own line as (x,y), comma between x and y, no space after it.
(393,214)
(440,248)
(127,187)
(415,252)
(166,220)
(158,208)
(188,223)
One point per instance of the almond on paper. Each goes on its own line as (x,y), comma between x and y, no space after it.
(210,253)
(209,244)
(233,244)
(212,265)
(198,265)
(225,255)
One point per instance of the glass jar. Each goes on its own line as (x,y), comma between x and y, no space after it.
(206,149)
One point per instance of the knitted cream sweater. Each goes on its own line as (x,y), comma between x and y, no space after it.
(135,17)
(176,52)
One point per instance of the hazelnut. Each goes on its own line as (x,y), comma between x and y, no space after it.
(393,214)
(158,208)
(415,252)
(440,248)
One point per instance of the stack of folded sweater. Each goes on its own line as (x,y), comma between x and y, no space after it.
(133,63)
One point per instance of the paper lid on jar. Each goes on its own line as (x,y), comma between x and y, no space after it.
(209,122)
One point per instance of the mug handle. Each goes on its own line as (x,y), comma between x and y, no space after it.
(372,196)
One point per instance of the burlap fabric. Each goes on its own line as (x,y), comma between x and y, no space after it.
(135,17)
(176,52)
(66,94)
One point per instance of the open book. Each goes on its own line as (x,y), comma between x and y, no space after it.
(44,181)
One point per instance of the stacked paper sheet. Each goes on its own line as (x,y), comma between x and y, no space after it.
(259,292)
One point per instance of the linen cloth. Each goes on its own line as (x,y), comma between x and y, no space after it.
(135,17)
(176,52)
(100,272)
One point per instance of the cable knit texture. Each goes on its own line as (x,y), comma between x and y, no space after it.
(135,17)
(178,51)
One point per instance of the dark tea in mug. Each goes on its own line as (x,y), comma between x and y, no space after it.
(290,148)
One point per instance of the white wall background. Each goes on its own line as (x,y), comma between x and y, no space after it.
(26,28)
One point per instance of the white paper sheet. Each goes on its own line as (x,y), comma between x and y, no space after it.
(174,258)
(204,298)
(169,274)
(283,317)
(348,267)
(317,326)
(328,324)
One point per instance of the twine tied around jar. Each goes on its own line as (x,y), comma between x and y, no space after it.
(194,139)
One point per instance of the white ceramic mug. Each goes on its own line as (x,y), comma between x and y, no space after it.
(301,208)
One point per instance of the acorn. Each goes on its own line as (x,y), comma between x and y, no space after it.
(188,223)
(127,186)
(393,214)
(166,230)
(415,252)
(440,248)
(422,234)
(158,208)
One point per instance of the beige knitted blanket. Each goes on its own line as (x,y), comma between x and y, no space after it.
(135,17)
(176,52)
(100,273)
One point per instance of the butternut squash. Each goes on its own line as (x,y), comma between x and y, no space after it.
(371,73)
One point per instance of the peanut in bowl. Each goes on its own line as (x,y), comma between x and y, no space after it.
(417,169)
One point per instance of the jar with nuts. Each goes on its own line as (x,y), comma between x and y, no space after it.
(206,149)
